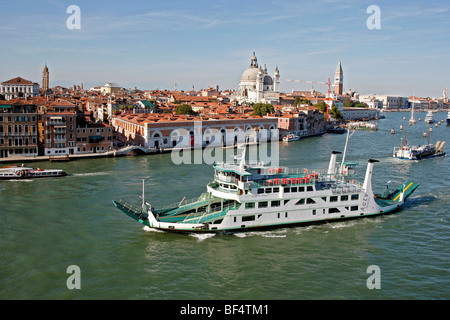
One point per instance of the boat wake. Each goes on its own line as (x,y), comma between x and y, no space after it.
(202,236)
(148,229)
(88,174)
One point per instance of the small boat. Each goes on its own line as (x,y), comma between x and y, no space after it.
(429,118)
(448,118)
(59,158)
(249,195)
(338,130)
(22,172)
(362,126)
(427,151)
(291,137)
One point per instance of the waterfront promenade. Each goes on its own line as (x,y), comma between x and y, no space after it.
(112,153)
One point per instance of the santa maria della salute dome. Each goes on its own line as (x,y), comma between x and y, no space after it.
(257,85)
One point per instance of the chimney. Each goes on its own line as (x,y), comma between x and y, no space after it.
(368,179)
(332,166)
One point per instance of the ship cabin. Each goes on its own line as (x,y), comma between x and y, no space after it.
(245,180)
(233,180)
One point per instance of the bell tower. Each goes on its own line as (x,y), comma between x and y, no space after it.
(339,80)
(45,78)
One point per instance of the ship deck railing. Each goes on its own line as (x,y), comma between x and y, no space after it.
(184,202)
(214,213)
(130,207)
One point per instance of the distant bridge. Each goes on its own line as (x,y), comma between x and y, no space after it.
(132,149)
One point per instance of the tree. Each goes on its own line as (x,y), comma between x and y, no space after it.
(322,106)
(184,109)
(261,109)
(298,101)
(335,112)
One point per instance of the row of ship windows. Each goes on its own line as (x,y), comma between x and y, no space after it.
(314,212)
(277,203)
(286,189)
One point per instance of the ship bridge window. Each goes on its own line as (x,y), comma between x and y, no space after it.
(301,189)
(260,190)
(287,190)
(263,204)
(294,189)
(268,190)
(333,199)
(355,196)
(275,203)
(249,205)
(344,198)
(275,190)
(309,188)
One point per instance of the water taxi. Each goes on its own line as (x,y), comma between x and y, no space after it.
(250,195)
(429,118)
(22,172)
(291,137)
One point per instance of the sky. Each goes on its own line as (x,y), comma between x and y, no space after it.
(203,43)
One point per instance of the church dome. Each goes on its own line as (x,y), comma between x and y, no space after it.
(268,80)
(250,74)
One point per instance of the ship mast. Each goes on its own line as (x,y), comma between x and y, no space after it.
(341,169)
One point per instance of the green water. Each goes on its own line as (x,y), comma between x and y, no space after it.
(50,224)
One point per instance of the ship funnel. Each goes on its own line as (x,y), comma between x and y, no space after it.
(368,179)
(332,166)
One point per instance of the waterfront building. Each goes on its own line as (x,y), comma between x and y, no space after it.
(388,102)
(94,138)
(59,123)
(306,121)
(18,128)
(166,130)
(19,88)
(257,86)
(356,114)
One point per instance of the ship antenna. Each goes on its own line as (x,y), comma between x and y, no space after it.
(345,150)
(143,193)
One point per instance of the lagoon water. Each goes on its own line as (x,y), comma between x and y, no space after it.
(50,224)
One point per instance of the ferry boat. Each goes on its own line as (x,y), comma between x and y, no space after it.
(22,172)
(250,195)
(419,152)
(291,137)
(429,118)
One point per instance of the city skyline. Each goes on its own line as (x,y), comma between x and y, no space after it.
(152,45)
